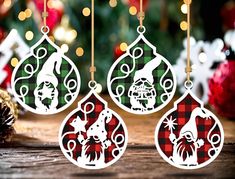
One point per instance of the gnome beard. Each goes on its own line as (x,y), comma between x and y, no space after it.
(185,149)
(93,149)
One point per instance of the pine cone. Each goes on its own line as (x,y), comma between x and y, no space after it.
(8,115)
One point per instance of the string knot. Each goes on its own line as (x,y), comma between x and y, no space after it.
(188,69)
(44,14)
(141,15)
(92,69)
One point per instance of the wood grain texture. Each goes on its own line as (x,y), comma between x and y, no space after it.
(34,151)
(138,162)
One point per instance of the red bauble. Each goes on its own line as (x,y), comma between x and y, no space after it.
(222,89)
(136,3)
(7,82)
(118,52)
(3,9)
(228,15)
(55,12)
(2,34)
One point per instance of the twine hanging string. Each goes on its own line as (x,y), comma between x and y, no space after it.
(188,69)
(141,14)
(92,68)
(45,15)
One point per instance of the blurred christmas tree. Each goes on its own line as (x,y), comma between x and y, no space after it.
(115,24)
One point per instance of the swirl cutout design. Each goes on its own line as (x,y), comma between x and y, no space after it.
(125,69)
(166,86)
(214,140)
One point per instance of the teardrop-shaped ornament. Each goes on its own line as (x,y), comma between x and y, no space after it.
(45,81)
(141,81)
(189,136)
(93,136)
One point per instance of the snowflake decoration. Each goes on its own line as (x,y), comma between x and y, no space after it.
(170,123)
(203,56)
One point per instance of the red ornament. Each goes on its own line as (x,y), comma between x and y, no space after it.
(3,9)
(2,34)
(136,3)
(221,89)
(7,82)
(55,12)
(228,15)
(118,52)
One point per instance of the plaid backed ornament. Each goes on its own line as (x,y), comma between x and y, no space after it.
(93,136)
(141,81)
(45,81)
(189,136)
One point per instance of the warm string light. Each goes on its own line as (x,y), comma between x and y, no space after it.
(29,35)
(79,51)
(23,15)
(86,11)
(123,46)
(7,3)
(64,32)
(113,3)
(184,10)
(184,25)
(133,10)
(14,62)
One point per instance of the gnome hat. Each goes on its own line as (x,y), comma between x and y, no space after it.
(47,71)
(147,71)
(98,128)
(191,125)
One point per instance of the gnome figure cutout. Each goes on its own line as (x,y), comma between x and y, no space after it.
(93,136)
(189,136)
(96,134)
(142,93)
(186,145)
(46,92)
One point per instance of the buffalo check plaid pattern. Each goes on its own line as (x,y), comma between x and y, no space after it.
(92,117)
(182,115)
(31,82)
(147,56)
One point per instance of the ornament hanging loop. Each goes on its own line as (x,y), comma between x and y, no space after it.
(45,30)
(141,30)
(188,85)
(92,85)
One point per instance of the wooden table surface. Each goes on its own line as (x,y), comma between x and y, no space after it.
(34,151)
